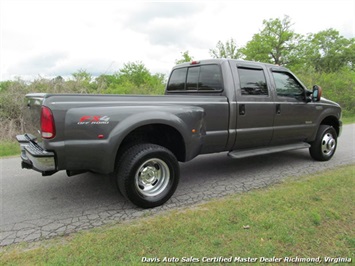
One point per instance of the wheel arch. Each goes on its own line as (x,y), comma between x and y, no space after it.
(332,121)
(159,134)
(176,128)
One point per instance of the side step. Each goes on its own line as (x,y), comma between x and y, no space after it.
(238,154)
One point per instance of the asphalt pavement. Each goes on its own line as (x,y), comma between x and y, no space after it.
(33,207)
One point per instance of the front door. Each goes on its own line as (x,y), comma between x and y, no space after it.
(294,118)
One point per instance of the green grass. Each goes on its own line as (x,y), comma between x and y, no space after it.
(8,148)
(309,217)
(349,119)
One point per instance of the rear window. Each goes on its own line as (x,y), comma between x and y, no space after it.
(252,81)
(196,78)
(177,80)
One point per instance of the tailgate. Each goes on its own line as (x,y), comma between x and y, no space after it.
(33,114)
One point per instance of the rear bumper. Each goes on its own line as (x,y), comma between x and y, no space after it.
(35,157)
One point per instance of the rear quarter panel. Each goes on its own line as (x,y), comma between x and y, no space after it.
(90,128)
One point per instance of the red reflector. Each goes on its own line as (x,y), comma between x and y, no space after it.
(47,123)
(195,62)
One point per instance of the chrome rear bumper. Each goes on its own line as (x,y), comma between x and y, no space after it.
(34,156)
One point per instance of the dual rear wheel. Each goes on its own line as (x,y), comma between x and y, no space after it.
(147,175)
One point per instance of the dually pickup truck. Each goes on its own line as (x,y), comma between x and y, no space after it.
(242,107)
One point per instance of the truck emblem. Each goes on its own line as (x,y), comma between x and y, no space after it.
(94,120)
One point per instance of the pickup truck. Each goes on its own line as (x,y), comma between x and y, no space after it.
(221,105)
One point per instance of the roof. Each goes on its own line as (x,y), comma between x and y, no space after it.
(239,62)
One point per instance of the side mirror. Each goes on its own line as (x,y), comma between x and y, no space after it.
(316,93)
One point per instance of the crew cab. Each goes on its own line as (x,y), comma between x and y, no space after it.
(244,108)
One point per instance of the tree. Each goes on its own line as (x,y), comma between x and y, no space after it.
(134,72)
(132,78)
(82,75)
(186,57)
(226,50)
(350,54)
(276,43)
(328,51)
(82,82)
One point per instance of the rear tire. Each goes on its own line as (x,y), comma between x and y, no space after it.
(148,175)
(323,148)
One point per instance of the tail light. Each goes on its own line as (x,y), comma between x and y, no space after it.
(47,123)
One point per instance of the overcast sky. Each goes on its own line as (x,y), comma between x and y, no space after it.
(52,38)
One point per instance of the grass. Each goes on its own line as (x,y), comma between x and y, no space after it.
(312,216)
(349,119)
(9,148)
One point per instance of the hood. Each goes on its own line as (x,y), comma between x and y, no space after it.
(329,102)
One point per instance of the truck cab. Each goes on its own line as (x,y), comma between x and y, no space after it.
(269,106)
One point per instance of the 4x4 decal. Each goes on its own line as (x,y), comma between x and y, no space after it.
(94,120)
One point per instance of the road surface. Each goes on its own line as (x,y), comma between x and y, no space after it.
(35,207)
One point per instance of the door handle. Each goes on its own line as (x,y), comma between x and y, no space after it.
(278,109)
(242,109)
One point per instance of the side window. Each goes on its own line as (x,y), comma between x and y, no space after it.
(252,82)
(196,78)
(177,80)
(287,85)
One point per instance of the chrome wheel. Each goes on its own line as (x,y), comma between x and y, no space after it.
(147,175)
(328,144)
(325,144)
(152,177)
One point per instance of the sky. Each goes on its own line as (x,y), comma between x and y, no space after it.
(45,39)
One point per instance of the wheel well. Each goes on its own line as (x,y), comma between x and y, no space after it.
(331,121)
(159,134)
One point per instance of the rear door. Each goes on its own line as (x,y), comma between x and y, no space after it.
(255,106)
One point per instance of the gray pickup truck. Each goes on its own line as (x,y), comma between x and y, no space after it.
(242,107)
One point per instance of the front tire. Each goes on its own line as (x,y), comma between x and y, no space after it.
(148,175)
(323,148)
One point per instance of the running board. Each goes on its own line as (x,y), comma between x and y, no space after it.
(266,150)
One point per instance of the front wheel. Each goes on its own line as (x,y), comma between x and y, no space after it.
(148,175)
(323,148)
